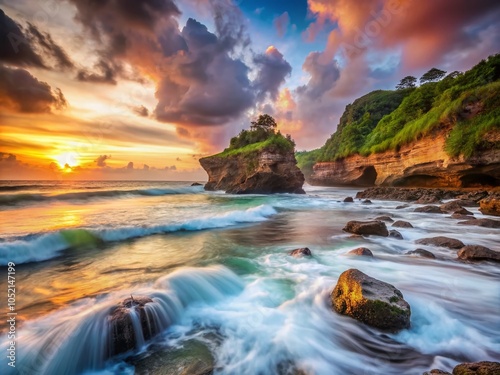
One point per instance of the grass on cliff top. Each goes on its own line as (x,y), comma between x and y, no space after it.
(275,142)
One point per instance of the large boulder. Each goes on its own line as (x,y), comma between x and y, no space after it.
(442,241)
(366,228)
(477,368)
(370,301)
(490,206)
(477,252)
(123,333)
(265,171)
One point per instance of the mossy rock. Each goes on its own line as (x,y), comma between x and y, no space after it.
(370,301)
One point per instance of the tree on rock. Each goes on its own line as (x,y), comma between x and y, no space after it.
(264,122)
(408,82)
(432,75)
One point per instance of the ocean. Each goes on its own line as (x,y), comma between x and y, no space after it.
(217,267)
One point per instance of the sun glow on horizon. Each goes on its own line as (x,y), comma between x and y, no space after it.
(67,159)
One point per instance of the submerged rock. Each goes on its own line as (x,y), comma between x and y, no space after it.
(422,253)
(395,234)
(348,200)
(477,368)
(196,184)
(375,228)
(429,209)
(442,241)
(361,251)
(297,253)
(384,218)
(370,301)
(402,224)
(490,206)
(123,332)
(486,223)
(477,252)
(367,201)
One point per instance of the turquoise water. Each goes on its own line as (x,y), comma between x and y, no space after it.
(220,262)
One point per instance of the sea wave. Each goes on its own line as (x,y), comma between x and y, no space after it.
(35,248)
(13,199)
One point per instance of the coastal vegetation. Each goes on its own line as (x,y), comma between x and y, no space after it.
(467,105)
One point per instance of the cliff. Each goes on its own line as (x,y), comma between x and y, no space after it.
(261,168)
(444,133)
(423,163)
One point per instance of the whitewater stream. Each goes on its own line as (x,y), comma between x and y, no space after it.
(217,269)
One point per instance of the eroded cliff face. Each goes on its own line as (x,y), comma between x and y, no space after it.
(262,172)
(423,163)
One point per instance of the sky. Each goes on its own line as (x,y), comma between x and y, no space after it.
(140,90)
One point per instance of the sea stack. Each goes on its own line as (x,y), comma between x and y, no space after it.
(258,161)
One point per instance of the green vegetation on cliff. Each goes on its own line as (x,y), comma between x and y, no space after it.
(465,104)
(261,136)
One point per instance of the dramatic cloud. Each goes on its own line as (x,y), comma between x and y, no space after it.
(101,160)
(273,69)
(141,111)
(105,72)
(281,24)
(21,92)
(30,47)
(323,76)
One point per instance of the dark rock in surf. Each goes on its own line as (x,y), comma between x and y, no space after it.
(422,253)
(196,184)
(384,218)
(361,251)
(367,201)
(442,241)
(402,224)
(348,200)
(370,301)
(486,223)
(395,234)
(366,228)
(436,372)
(429,210)
(428,199)
(452,206)
(463,211)
(402,206)
(123,334)
(477,252)
(459,216)
(477,368)
(298,253)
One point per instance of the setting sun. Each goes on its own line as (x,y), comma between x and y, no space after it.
(67,159)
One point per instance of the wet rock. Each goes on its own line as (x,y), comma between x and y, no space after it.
(402,224)
(422,253)
(348,200)
(462,216)
(442,241)
(370,301)
(367,201)
(429,209)
(486,223)
(395,234)
(463,211)
(196,184)
(402,206)
(436,372)
(361,251)
(468,202)
(384,218)
(477,252)
(298,253)
(375,228)
(477,368)
(193,358)
(427,199)
(490,206)
(452,206)
(123,334)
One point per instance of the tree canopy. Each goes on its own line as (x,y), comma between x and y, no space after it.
(432,75)
(265,122)
(408,82)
